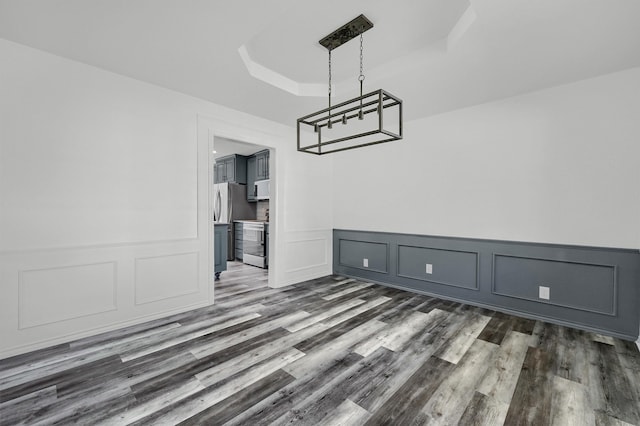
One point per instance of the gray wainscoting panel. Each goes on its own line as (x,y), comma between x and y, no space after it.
(591,288)
(449,267)
(353,253)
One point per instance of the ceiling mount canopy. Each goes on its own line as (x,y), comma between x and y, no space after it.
(346,32)
(317,133)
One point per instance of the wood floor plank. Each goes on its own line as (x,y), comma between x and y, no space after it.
(17,409)
(270,409)
(523,325)
(602,419)
(403,303)
(327,399)
(502,375)
(545,336)
(457,346)
(313,319)
(32,381)
(407,402)
(570,404)
(196,402)
(249,358)
(207,349)
(394,335)
(154,385)
(629,355)
(100,397)
(410,357)
(569,361)
(458,389)
(157,404)
(185,337)
(31,357)
(241,401)
(531,402)
(319,304)
(347,413)
(342,323)
(343,292)
(496,328)
(620,396)
(484,410)
(321,356)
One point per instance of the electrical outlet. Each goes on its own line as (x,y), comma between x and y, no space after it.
(543,292)
(365,263)
(429,268)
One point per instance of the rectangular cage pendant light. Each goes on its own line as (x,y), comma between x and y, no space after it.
(382,122)
(369,119)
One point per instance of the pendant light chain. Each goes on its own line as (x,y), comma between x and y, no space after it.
(361,77)
(329,73)
(329,122)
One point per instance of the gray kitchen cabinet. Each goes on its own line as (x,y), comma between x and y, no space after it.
(262,165)
(257,169)
(220,248)
(251,178)
(238,237)
(232,168)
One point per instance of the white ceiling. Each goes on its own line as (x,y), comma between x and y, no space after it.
(437,55)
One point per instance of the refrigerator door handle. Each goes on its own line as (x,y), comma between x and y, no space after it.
(217,205)
(230,205)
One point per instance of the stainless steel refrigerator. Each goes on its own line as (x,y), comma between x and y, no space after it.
(229,204)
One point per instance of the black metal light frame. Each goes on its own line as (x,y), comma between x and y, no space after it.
(372,102)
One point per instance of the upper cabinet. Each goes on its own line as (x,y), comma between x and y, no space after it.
(262,165)
(257,169)
(251,178)
(232,168)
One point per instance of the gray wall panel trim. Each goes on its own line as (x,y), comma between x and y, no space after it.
(612,312)
(625,321)
(370,269)
(476,287)
(499,308)
(487,240)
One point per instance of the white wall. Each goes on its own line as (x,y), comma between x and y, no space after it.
(560,165)
(104,200)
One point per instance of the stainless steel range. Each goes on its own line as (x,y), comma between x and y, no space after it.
(253,244)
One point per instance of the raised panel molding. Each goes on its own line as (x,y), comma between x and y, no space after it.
(49,295)
(589,287)
(456,268)
(352,253)
(316,252)
(166,277)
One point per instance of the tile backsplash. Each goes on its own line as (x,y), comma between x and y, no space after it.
(262,211)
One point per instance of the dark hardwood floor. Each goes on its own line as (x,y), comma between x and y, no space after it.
(328,351)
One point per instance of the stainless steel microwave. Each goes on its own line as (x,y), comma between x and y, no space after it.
(262,189)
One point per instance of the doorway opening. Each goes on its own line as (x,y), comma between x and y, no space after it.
(240,206)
